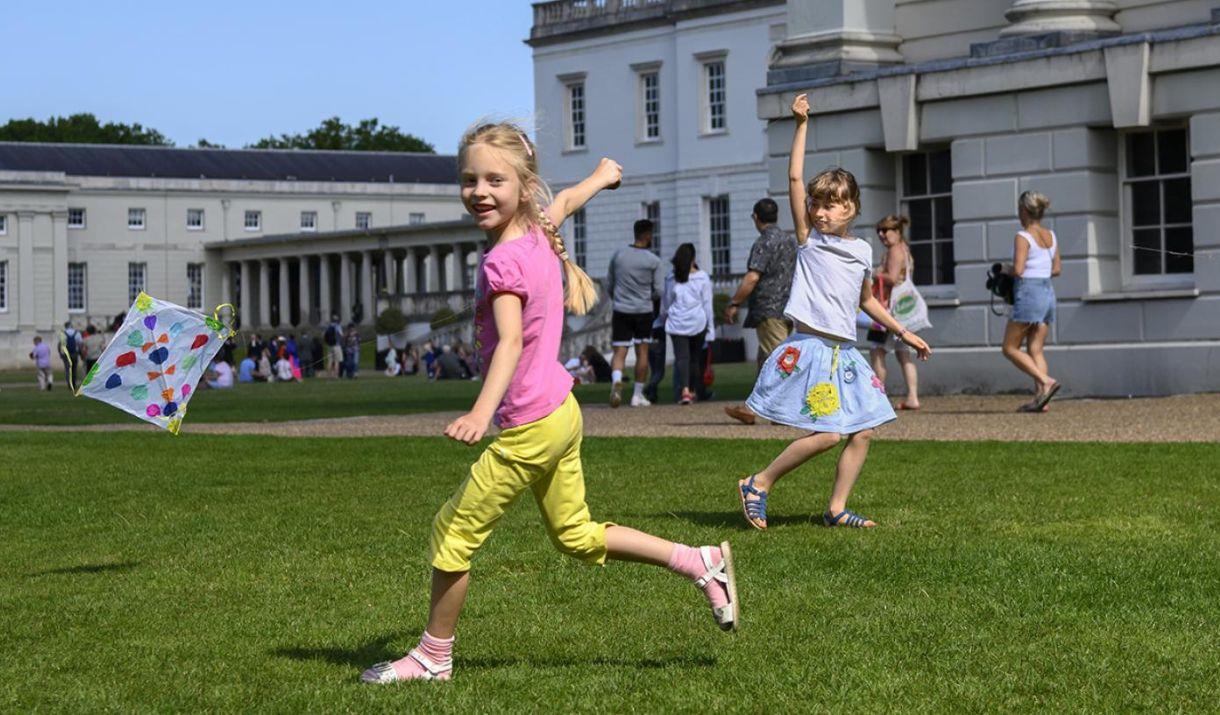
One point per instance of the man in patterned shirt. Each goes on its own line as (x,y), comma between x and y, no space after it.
(766,284)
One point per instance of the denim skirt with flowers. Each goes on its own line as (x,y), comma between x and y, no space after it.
(820,385)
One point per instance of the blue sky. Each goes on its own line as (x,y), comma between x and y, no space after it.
(233,72)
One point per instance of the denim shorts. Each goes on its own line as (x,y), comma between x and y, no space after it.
(1033,301)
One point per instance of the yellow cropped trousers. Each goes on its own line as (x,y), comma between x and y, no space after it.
(543,456)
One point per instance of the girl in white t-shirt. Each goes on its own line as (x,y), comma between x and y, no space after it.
(817,380)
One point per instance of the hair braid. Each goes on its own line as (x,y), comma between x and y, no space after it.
(581,292)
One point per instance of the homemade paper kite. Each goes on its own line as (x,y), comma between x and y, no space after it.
(151,367)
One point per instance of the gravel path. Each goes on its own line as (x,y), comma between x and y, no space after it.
(1186,418)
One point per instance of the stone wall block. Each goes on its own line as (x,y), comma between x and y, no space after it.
(967,155)
(1084,148)
(1205,135)
(964,325)
(995,198)
(1186,319)
(1018,154)
(1076,192)
(1078,323)
(949,119)
(970,242)
(1063,107)
(1205,180)
(1206,221)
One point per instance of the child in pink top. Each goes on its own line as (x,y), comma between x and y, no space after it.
(519,306)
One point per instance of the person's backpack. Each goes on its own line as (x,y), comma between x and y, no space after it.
(332,335)
(1001,285)
(70,343)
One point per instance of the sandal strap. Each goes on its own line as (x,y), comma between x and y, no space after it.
(847,516)
(428,664)
(755,508)
(713,573)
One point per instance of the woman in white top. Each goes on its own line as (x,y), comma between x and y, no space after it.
(686,312)
(817,380)
(1035,261)
(895,265)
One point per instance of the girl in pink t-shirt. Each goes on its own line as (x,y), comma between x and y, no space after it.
(519,304)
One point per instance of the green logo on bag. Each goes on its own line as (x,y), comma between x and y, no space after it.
(905,305)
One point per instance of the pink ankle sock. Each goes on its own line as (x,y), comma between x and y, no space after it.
(438,650)
(685,560)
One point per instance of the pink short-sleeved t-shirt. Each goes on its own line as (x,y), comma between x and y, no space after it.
(526,267)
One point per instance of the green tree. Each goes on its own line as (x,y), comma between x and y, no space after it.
(205,144)
(80,129)
(332,133)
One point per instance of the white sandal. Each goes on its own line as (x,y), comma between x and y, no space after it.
(383,673)
(728,615)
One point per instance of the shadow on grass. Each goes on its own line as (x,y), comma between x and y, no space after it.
(87,568)
(728,519)
(378,650)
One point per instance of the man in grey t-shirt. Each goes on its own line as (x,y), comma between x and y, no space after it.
(633,281)
(766,284)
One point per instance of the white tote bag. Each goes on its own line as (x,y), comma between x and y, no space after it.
(907,305)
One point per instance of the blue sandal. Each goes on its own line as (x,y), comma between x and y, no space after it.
(847,517)
(755,510)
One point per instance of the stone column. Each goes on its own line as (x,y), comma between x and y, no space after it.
(838,36)
(391,274)
(366,287)
(264,293)
(324,306)
(409,278)
(25,269)
(226,283)
(453,271)
(59,243)
(284,302)
(432,270)
(246,300)
(1083,17)
(305,293)
(345,288)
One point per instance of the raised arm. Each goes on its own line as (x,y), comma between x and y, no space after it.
(607,175)
(796,169)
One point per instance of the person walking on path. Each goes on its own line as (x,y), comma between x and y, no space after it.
(896,265)
(519,304)
(816,380)
(1035,262)
(766,285)
(686,308)
(41,355)
(633,282)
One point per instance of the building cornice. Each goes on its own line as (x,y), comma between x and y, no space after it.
(561,21)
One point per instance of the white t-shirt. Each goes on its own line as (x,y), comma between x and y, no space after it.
(826,284)
(224,374)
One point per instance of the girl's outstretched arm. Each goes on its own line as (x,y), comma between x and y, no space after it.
(796,169)
(470,427)
(875,310)
(607,175)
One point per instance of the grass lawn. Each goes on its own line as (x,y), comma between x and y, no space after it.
(252,574)
(372,393)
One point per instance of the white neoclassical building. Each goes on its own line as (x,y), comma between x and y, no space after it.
(945,110)
(288,236)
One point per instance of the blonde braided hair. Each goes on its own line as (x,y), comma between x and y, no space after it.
(518,152)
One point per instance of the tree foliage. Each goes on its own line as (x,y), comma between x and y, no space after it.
(367,135)
(80,129)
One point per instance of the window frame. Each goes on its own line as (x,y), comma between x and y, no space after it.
(83,287)
(416,218)
(643,125)
(646,211)
(202,220)
(4,286)
(1126,230)
(368,220)
(946,290)
(706,61)
(83,218)
(580,237)
(719,269)
(312,227)
(3,224)
(143,214)
(143,267)
(191,287)
(258,220)
(570,83)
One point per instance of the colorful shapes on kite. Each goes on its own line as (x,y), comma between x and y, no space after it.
(214,324)
(139,392)
(199,341)
(167,394)
(170,371)
(174,330)
(143,302)
(135,338)
(189,361)
(150,322)
(127,358)
(186,391)
(147,346)
(159,356)
(152,410)
(89,376)
(113,381)
(163,339)
(169,409)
